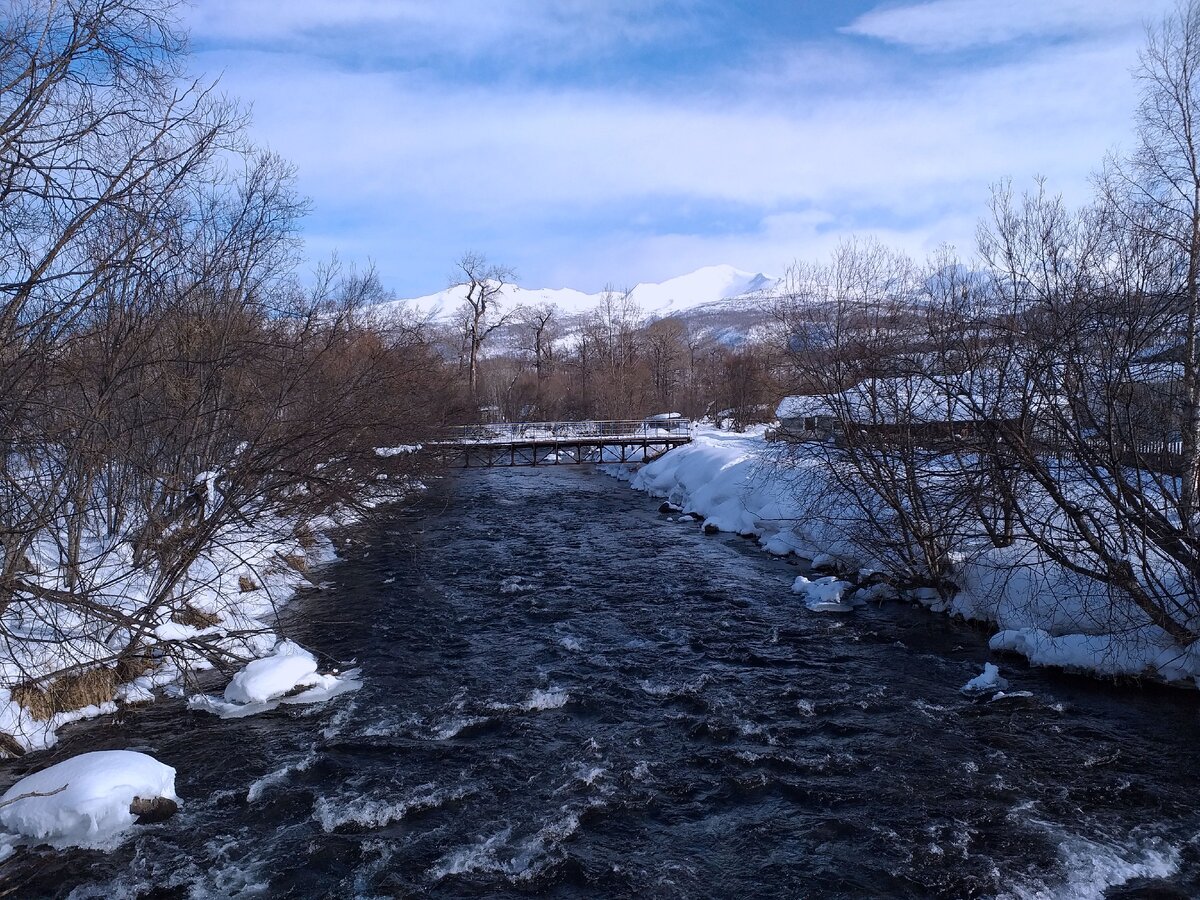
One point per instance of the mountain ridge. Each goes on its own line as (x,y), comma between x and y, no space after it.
(703,287)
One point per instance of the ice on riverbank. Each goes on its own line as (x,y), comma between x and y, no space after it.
(85,801)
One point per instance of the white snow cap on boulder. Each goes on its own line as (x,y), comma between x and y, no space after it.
(988,680)
(823,594)
(85,800)
(288,675)
(289,666)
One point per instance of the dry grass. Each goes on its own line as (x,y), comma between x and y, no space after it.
(133,665)
(196,618)
(246,584)
(305,537)
(69,692)
(295,561)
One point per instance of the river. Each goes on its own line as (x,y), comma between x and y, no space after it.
(568,694)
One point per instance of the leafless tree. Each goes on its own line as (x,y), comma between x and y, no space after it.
(480,314)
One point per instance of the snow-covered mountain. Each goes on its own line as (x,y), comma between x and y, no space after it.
(702,288)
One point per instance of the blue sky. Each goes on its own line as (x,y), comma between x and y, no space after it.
(595,142)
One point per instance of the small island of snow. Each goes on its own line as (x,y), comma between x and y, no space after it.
(85,801)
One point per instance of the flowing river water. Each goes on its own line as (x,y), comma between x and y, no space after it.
(568,694)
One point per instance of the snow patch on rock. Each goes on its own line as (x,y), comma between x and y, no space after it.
(84,801)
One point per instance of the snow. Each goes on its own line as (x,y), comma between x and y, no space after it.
(822,594)
(173,631)
(401,450)
(787,499)
(289,666)
(259,549)
(89,798)
(288,675)
(801,406)
(988,680)
(892,400)
(707,285)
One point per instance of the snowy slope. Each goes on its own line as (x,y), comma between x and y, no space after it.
(705,286)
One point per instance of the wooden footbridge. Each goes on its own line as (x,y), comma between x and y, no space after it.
(562,443)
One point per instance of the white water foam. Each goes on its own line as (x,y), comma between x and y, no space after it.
(450,728)
(538,700)
(1092,866)
(260,785)
(360,812)
(495,855)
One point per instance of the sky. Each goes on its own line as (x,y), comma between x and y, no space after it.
(588,143)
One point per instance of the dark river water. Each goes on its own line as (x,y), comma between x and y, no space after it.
(569,695)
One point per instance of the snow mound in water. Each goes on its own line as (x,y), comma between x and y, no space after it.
(288,667)
(822,594)
(288,675)
(85,800)
(988,680)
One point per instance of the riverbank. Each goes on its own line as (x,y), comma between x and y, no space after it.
(783,496)
(63,669)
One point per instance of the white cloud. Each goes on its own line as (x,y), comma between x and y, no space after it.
(480,150)
(960,24)
(569,183)
(534,29)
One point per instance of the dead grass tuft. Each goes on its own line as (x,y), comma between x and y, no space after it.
(246,584)
(66,693)
(133,665)
(295,561)
(9,747)
(196,618)
(305,537)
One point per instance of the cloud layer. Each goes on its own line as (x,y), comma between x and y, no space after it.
(601,154)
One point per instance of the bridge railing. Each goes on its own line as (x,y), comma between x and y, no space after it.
(611,430)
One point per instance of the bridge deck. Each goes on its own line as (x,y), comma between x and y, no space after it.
(563,443)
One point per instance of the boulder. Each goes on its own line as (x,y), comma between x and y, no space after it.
(148,811)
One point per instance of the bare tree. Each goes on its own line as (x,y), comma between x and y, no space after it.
(480,314)
(1156,190)
(538,326)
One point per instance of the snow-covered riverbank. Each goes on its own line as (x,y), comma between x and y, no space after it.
(784,497)
(233,594)
(64,668)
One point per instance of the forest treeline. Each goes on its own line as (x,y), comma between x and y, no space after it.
(611,362)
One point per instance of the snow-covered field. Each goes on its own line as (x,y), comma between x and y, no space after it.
(740,483)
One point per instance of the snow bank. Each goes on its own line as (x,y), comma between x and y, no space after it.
(288,675)
(787,500)
(84,801)
(230,597)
